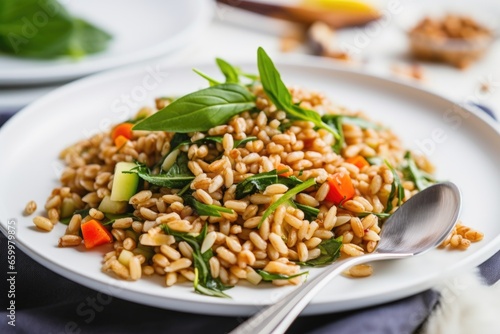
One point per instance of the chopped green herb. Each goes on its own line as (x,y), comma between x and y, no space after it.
(289,181)
(269,277)
(396,189)
(259,182)
(176,178)
(330,251)
(310,213)
(83,212)
(381,215)
(421,179)
(206,209)
(335,122)
(238,143)
(111,218)
(255,183)
(285,197)
(377,161)
(204,283)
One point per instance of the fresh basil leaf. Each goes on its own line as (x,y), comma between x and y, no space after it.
(201,110)
(204,283)
(229,71)
(421,179)
(87,39)
(286,196)
(211,81)
(255,183)
(396,189)
(60,35)
(310,213)
(269,277)
(272,84)
(277,92)
(250,76)
(206,209)
(330,251)
(20,37)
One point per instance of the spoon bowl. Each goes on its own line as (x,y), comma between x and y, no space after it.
(419,225)
(428,219)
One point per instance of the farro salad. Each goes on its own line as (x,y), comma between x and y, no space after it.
(247,180)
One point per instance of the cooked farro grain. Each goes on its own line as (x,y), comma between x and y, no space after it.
(43,223)
(30,208)
(70,240)
(361,270)
(209,216)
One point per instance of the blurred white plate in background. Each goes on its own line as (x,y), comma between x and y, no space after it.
(141,30)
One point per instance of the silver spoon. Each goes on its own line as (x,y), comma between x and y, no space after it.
(420,224)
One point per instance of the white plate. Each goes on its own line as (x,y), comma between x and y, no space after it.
(141,30)
(464,147)
(13,99)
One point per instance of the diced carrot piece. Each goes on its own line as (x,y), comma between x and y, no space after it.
(123,129)
(308,143)
(95,234)
(358,161)
(289,171)
(120,141)
(341,188)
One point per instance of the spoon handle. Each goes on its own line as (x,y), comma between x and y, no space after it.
(278,317)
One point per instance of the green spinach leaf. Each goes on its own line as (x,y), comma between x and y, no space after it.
(83,212)
(206,209)
(269,277)
(330,251)
(335,122)
(286,196)
(177,177)
(204,283)
(396,189)
(255,183)
(310,213)
(421,179)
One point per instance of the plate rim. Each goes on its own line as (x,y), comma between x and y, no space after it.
(238,308)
